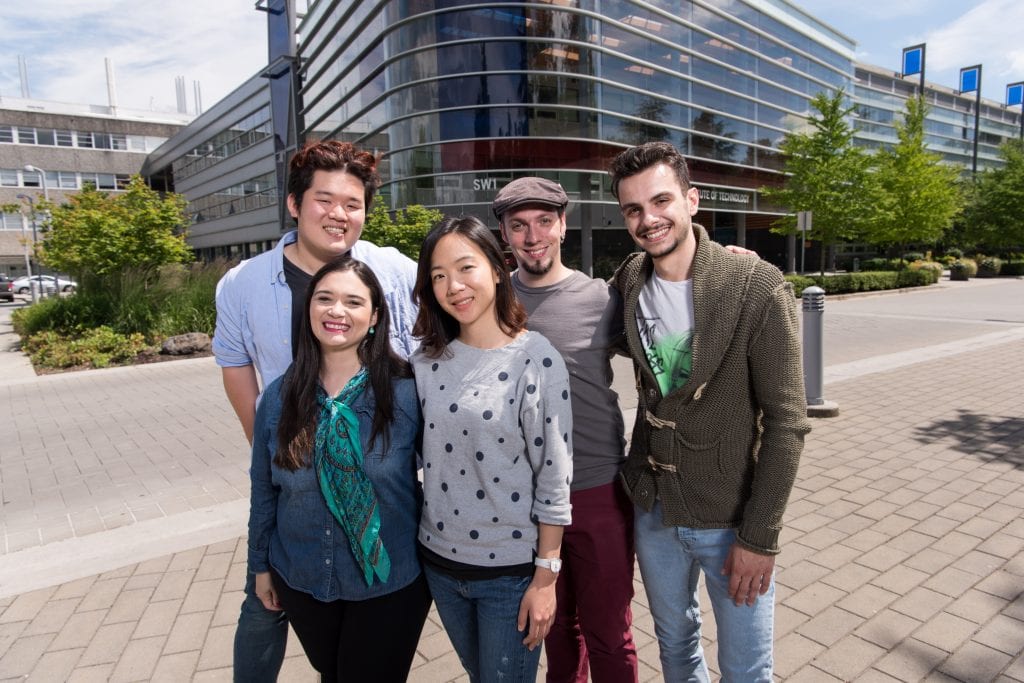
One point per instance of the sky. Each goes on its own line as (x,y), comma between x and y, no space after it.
(221,43)
(957,33)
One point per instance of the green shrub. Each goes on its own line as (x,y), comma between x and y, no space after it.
(913,256)
(962,269)
(97,348)
(916,278)
(64,315)
(955,253)
(1012,269)
(800,283)
(935,269)
(155,303)
(877,264)
(990,267)
(946,259)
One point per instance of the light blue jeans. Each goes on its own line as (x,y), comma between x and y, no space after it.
(480,618)
(671,560)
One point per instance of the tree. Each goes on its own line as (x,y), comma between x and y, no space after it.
(993,214)
(920,195)
(101,235)
(405,232)
(827,175)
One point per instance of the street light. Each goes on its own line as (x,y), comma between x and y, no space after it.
(42,177)
(28,263)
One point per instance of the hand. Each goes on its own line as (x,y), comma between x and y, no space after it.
(740,250)
(538,607)
(266,593)
(750,574)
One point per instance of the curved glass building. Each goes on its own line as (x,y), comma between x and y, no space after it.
(460,97)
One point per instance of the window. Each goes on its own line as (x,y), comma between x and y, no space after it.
(105,181)
(8,177)
(68,180)
(84,139)
(122,181)
(6,134)
(30,179)
(64,138)
(118,141)
(101,140)
(44,136)
(26,136)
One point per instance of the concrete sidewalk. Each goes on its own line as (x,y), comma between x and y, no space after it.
(903,550)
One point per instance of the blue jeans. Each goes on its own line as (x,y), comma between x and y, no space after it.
(671,559)
(480,618)
(260,639)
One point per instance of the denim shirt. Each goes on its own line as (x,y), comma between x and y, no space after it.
(254,318)
(291,527)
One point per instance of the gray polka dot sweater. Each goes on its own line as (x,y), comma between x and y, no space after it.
(497,449)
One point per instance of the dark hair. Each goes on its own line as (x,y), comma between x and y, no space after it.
(331,155)
(300,409)
(434,326)
(640,158)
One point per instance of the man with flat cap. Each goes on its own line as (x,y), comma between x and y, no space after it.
(592,629)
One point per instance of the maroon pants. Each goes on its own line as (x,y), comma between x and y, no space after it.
(595,587)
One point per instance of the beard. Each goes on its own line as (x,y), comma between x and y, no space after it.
(538,268)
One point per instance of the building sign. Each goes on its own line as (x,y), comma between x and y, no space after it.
(970,79)
(1015,94)
(913,60)
(726,199)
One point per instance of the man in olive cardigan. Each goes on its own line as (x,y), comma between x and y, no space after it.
(720,422)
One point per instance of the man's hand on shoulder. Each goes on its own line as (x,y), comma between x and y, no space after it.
(750,574)
(740,250)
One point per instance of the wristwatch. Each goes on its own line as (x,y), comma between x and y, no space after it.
(554,564)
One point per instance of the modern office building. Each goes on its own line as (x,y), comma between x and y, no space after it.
(881,96)
(54,149)
(458,98)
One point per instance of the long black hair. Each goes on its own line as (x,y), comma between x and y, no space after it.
(300,409)
(434,326)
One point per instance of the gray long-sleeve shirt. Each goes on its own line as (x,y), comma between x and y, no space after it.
(497,445)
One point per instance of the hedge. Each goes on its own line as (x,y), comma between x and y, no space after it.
(846,283)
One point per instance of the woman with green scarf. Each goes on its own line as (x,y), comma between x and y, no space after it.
(335,498)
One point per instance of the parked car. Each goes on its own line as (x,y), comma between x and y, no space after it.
(23,285)
(6,288)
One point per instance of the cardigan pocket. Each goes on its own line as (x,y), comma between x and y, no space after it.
(672,453)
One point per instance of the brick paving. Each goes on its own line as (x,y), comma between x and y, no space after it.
(903,550)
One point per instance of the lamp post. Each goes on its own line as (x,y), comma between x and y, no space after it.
(970,81)
(46,195)
(28,262)
(42,178)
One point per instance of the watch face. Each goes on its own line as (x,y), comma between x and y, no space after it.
(556,565)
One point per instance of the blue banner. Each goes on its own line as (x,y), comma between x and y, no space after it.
(970,78)
(1015,94)
(913,60)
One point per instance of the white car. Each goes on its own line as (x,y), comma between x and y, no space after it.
(23,284)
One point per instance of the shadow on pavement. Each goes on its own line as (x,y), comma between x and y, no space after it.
(983,436)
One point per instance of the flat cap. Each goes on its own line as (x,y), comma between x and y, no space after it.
(529,190)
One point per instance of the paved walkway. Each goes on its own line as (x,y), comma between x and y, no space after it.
(124,506)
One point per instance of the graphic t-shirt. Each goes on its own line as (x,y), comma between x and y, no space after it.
(664,316)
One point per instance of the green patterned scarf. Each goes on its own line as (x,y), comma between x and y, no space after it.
(338,459)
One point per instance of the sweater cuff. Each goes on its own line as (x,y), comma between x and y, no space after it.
(760,539)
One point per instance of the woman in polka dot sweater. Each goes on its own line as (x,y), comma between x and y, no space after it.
(496,455)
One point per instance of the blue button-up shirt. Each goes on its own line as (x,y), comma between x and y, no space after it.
(291,527)
(254,307)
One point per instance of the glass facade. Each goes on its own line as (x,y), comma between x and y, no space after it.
(459,97)
(949,128)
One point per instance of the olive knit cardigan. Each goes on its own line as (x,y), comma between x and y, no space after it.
(722,450)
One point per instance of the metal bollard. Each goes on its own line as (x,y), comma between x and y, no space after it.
(814,355)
